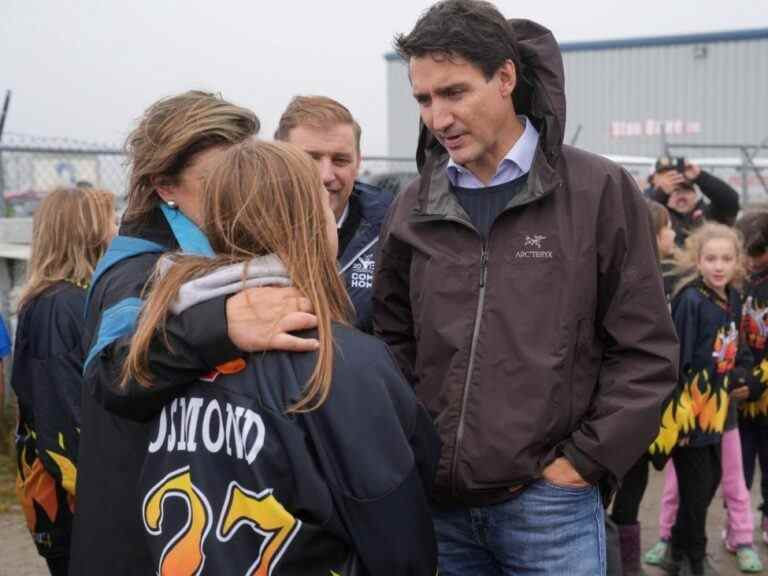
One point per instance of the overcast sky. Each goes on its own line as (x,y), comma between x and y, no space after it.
(86,69)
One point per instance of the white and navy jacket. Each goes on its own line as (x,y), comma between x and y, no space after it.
(357,263)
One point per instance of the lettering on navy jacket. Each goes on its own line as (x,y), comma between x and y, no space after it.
(358,262)
(340,489)
(318,492)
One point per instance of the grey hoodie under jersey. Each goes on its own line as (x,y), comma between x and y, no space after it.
(261,271)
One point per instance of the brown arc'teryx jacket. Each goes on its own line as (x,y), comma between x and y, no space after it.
(552,337)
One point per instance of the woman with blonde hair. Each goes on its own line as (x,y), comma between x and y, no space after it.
(71,230)
(291,463)
(170,152)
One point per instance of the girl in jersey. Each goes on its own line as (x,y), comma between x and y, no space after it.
(282,463)
(71,230)
(714,370)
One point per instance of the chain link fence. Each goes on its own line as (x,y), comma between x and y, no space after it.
(30,168)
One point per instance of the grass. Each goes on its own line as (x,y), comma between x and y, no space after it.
(7,461)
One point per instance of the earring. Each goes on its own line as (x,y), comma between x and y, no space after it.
(171,204)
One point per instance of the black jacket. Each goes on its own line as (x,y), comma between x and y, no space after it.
(108,534)
(754,327)
(47,379)
(722,205)
(339,488)
(712,357)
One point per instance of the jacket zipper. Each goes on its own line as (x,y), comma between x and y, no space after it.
(470,367)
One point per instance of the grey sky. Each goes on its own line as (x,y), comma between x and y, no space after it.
(87,69)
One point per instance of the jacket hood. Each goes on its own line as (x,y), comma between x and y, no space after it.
(373,202)
(540,91)
(260,271)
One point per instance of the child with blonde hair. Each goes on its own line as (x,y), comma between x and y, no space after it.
(70,231)
(714,369)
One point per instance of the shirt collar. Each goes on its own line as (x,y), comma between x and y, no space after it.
(340,221)
(521,154)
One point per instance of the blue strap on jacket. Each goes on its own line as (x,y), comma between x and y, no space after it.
(120,319)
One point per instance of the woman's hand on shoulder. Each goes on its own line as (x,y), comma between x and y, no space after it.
(260,319)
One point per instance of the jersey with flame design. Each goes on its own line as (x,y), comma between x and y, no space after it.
(755,328)
(47,379)
(696,412)
(233,484)
(754,323)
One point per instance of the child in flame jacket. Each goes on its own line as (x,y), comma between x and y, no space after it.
(714,369)
(753,416)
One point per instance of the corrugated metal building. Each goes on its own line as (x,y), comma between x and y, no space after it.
(627,97)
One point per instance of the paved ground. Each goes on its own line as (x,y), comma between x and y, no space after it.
(721,559)
(19,558)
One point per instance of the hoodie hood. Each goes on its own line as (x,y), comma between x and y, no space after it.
(539,94)
(262,271)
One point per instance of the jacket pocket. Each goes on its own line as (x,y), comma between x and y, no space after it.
(419,277)
(570,376)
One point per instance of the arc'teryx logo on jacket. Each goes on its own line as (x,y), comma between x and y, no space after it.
(533,248)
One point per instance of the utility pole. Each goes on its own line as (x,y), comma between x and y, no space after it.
(6,105)
(3,374)
(3,116)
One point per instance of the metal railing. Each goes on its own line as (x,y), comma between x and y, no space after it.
(30,168)
(751,168)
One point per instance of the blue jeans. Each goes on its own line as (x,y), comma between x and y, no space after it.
(545,530)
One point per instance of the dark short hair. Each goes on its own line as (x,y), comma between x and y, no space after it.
(471,29)
(754,229)
(659,216)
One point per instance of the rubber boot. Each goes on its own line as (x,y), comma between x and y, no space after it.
(629,542)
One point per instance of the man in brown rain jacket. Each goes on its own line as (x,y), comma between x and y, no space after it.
(518,288)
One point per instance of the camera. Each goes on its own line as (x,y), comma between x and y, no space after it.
(667,163)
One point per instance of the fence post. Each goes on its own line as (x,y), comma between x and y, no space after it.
(744,177)
(2,184)
(3,116)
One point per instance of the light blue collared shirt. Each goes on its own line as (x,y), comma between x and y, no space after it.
(516,163)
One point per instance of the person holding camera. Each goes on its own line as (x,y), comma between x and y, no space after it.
(691,195)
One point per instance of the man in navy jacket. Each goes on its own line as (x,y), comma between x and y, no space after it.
(326,130)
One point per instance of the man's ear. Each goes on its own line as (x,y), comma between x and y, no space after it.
(165,187)
(507,75)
